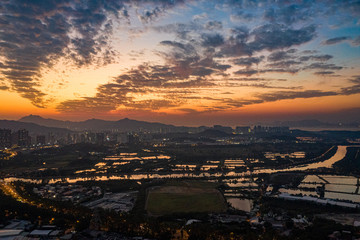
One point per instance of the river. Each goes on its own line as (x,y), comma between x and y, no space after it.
(339,155)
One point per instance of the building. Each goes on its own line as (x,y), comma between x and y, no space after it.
(40,140)
(243,130)
(5,138)
(22,138)
(100,138)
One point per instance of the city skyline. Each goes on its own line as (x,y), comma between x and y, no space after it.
(182,62)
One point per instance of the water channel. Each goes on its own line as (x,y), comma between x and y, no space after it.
(339,155)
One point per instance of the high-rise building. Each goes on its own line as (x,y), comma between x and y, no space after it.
(100,137)
(23,138)
(5,138)
(40,140)
(243,130)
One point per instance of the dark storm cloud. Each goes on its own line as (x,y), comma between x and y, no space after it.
(335,40)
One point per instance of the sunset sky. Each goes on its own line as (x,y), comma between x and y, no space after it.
(180,62)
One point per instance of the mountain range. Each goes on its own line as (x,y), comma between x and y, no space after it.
(313,123)
(33,128)
(39,125)
(103,125)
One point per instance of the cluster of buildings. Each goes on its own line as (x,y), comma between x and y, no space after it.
(249,130)
(70,192)
(119,202)
(20,138)
(320,201)
(91,197)
(25,230)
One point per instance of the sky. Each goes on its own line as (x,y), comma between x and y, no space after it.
(181,62)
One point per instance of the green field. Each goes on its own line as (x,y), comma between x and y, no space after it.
(177,199)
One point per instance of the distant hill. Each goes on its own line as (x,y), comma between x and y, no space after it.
(312,123)
(212,133)
(32,127)
(100,125)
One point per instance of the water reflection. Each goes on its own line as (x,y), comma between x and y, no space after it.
(339,155)
(241,204)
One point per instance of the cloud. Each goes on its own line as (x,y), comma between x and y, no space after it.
(248,61)
(213,25)
(246,72)
(212,40)
(4,87)
(164,82)
(279,56)
(239,16)
(356,41)
(243,42)
(277,96)
(38,33)
(149,15)
(283,64)
(236,44)
(354,89)
(355,79)
(335,40)
(250,72)
(197,54)
(276,36)
(324,73)
(289,14)
(324,66)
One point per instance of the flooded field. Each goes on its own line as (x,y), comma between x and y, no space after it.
(343,196)
(241,204)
